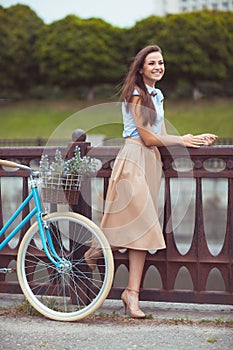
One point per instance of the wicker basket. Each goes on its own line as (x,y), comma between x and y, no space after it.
(61,190)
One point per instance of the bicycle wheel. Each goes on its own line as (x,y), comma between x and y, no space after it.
(72,290)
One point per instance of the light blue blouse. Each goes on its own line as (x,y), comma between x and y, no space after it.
(130,129)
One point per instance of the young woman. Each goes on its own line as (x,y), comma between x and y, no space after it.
(130,219)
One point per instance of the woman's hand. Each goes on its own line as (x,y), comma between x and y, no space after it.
(190,140)
(208,139)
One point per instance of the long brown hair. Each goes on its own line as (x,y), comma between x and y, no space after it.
(134,80)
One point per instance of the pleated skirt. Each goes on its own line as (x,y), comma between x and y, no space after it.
(130,217)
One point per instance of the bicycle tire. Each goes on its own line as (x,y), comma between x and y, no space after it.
(77,291)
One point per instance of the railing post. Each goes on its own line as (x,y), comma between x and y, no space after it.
(83,206)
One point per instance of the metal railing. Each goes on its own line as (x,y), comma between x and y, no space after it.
(176,274)
(40,141)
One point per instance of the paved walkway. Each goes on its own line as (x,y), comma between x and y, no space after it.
(171,327)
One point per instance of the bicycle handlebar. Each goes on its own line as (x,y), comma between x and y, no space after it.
(14,165)
(8,163)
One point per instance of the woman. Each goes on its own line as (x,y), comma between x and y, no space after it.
(130,219)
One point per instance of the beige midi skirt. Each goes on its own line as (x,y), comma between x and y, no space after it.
(130,217)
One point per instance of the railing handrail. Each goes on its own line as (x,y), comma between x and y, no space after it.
(40,141)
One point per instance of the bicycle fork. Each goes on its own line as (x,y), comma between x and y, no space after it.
(62,264)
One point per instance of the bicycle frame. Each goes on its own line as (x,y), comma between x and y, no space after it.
(43,228)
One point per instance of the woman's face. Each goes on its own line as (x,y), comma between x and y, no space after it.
(153,68)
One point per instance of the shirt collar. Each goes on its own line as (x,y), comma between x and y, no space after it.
(152,91)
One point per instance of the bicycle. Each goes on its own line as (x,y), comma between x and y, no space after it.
(52,271)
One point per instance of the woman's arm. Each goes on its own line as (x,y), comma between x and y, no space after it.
(150,139)
(208,139)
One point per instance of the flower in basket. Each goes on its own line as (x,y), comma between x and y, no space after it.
(66,174)
(51,172)
(78,165)
(50,168)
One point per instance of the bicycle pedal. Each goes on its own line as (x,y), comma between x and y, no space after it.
(7,270)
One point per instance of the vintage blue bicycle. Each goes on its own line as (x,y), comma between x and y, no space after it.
(52,270)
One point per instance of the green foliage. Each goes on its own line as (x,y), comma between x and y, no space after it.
(197,45)
(26,308)
(19,28)
(76,54)
(152,30)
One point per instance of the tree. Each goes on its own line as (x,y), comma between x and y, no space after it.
(19,27)
(75,52)
(197,46)
(151,30)
(5,82)
(80,54)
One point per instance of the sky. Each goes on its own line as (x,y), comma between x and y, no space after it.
(120,13)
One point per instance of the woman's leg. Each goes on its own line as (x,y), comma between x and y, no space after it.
(136,264)
(130,296)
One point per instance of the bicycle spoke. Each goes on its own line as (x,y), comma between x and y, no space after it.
(70,290)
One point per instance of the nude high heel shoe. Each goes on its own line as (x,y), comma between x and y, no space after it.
(128,301)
